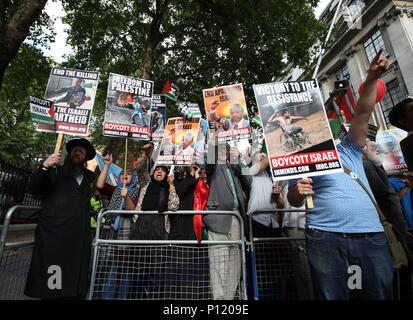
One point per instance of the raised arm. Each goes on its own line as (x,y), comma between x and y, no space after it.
(271,119)
(365,104)
(100,183)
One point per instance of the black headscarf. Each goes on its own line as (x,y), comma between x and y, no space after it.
(156,196)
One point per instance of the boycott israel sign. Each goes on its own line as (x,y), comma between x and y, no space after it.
(296,129)
(388,144)
(128,106)
(39,111)
(73,94)
(158,117)
(179,141)
(226,108)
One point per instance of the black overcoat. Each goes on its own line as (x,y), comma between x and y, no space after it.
(62,237)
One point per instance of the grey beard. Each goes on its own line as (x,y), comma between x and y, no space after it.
(373,157)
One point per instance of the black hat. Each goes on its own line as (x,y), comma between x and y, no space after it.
(90,150)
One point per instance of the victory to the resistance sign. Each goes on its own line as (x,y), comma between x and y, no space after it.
(296,130)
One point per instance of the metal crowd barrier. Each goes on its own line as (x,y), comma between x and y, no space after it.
(274,264)
(166,269)
(14,260)
(180,269)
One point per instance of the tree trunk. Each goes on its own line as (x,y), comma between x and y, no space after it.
(148,59)
(16,30)
(154,37)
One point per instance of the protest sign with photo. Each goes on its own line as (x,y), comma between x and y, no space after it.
(73,94)
(179,140)
(226,108)
(39,111)
(388,144)
(200,148)
(297,133)
(128,103)
(158,117)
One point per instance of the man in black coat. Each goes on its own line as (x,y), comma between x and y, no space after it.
(60,261)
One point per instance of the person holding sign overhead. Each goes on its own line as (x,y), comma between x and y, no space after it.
(343,231)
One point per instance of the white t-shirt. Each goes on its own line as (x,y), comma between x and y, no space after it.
(260,198)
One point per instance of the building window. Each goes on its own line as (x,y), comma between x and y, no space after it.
(353,10)
(394,94)
(373,44)
(343,73)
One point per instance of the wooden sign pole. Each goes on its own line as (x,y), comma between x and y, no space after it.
(309,200)
(58,143)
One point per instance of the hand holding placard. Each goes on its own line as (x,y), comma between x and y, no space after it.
(305,189)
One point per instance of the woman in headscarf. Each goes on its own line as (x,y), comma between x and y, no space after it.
(124,193)
(157,195)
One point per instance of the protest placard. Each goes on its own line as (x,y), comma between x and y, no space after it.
(158,117)
(73,94)
(200,150)
(39,111)
(297,133)
(128,103)
(189,109)
(178,143)
(226,108)
(388,144)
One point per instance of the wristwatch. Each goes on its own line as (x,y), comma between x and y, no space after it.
(44,168)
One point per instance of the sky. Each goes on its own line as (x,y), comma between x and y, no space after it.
(59,48)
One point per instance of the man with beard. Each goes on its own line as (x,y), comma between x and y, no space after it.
(385,195)
(60,261)
(388,201)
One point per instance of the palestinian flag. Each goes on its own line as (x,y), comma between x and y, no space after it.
(51,112)
(257,119)
(170,91)
(344,108)
(40,111)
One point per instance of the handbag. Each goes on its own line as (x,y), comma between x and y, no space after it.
(401,255)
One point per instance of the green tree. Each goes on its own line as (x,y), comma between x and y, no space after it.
(196,44)
(21,19)
(27,75)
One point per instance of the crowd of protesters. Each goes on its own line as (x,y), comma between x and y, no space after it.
(342,229)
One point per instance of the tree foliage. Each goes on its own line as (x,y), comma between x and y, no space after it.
(27,75)
(21,19)
(196,44)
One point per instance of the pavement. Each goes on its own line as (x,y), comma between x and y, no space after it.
(19,232)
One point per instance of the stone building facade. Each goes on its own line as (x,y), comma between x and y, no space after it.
(361,28)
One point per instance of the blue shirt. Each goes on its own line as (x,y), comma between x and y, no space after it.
(340,203)
(406,201)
